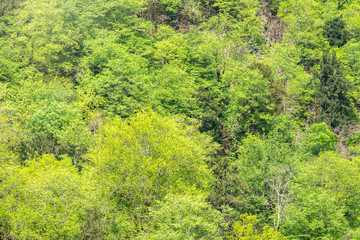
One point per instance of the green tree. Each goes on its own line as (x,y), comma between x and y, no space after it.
(304,22)
(146,157)
(179,14)
(175,91)
(352,19)
(56,129)
(314,215)
(324,198)
(238,21)
(45,199)
(48,41)
(249,108)
(266,167)
(170,47)
(7,6)
(335,31)
(333,92)
(291,88)
(246,229)
(319,139)
(183,217)
(11,130)
(352,63)
(119,78)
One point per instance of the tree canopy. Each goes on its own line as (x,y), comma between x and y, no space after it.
(179,119)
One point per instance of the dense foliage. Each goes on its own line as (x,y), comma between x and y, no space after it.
(174,119)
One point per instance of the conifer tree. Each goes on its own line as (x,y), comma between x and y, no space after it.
(336,32)
(333,98)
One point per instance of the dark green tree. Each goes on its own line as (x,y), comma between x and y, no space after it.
(336,32)
(7,6)
(333,92)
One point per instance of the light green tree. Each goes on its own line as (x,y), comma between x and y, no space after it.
(146,157)
(46,199)
(325,192)
(183,217)
(246,229)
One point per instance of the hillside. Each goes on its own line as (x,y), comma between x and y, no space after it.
(179,119)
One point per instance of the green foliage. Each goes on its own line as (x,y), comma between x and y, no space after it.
(170,47)
(31,31)
(351,56)
(148,156)
(235,121)
(57,129)
(175,92)
(319,138)
(46,199)
(291,87)
(275,87)
(250,107)
(10,130)
(352,19)
(334,99)
(183,217)
(7,6)
(237,19)
(314,215)
(304,22)
(335,32)
(324,195)
(245,229)
(266,167)
(119,78)
(179,14)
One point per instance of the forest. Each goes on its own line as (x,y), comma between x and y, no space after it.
(180,119)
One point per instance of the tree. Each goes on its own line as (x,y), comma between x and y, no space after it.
(249,108)
(319,138)
(246,229)
(183,217)
(325,192)
(56,129)
(333,92)
(179,14)
(255,177)
(352,19)
(119,78)
(335,32)
(352,63)
(146,157)
(48,41)
(266,167)
(238,21)
(304,22)
(46,199)
(170,47)
(10,129)
(290,86)
(174,92)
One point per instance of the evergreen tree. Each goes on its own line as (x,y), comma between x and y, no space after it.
(335,32)
(333,98)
